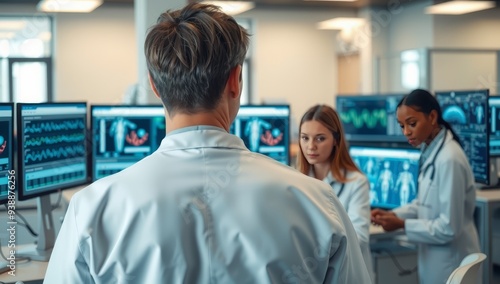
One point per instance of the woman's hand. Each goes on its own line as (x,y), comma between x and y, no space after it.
(387,219)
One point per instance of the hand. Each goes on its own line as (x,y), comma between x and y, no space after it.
(387,219)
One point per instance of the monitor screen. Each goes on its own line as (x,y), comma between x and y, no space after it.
(7,172)
(123,135)
(265,129)
(494,104)
(467,112)
(52,147)
(370,118)
(392,173)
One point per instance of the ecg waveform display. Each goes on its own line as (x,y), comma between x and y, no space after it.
(264,129)
(54,126)
(53,154)
(48,141)
(56,139)
(370,118)
(123,135)
(52,148)
(467,112)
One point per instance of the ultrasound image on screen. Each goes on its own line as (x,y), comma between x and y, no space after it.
(123,135)
(6,151)
(264,129)
(467,112)
(5,129)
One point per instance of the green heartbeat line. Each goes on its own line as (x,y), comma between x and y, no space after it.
(366,117)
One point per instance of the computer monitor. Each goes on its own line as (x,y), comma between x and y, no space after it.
(494,105)
(392,173)
(370,118)
(7,171)
(123,135)
(265,129)
(467,112)
(52,156)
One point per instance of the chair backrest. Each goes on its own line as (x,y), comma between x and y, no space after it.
(468,271)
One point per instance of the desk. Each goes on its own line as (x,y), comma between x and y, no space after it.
(377,233)
(25,271)
(487,206)
(487,202)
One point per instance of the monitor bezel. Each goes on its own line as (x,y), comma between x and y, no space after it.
(287,106)
(5,200)
(22,195)
(360,138)
(91,160)
(486,181)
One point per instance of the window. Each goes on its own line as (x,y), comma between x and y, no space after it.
(26,45)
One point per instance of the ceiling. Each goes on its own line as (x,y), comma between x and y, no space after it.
(276,3)
(297,3)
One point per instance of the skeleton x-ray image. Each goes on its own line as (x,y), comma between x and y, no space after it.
(393,182)
(405,184)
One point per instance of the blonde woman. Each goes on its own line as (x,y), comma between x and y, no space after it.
(323,154)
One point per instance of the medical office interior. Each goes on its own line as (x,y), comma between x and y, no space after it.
(358,56)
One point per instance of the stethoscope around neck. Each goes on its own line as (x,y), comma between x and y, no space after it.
(433,162)
(341,185)
(433,170)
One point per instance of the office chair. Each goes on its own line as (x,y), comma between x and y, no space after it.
(468,271)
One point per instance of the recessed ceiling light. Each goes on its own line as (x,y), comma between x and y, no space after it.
(73,6)
(459,7)
(333,0)
(232,7)
(340,23)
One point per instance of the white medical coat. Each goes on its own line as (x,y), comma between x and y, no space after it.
(204,209)
(440,219)
(355,197)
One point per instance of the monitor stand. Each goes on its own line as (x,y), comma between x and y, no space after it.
(46,232)
(494,174)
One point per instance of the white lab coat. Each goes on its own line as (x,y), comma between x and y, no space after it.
(440,219)
(355,197)
(204,209)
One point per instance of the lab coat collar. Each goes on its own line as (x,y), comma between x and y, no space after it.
(430,151)
(201,136)
(328,179)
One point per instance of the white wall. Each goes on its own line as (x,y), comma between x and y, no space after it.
(96,55)
(474,30)
(411,28)
(292,59)
(408,28)
(472,70)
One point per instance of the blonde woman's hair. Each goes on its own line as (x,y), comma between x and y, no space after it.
(340,160)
